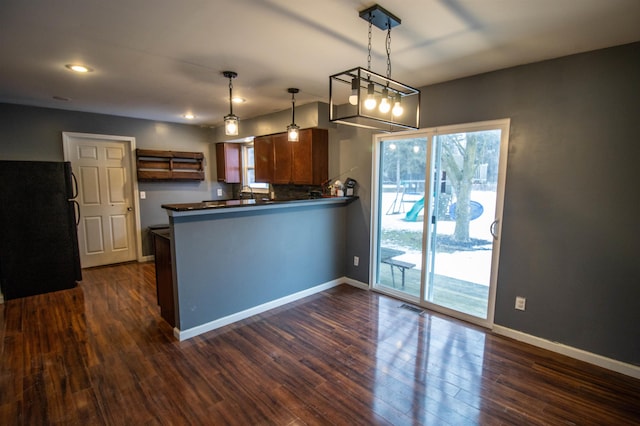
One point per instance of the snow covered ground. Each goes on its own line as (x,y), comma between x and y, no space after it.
(473,266)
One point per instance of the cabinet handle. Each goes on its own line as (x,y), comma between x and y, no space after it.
(492,228)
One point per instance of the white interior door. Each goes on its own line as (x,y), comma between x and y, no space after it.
(102,165)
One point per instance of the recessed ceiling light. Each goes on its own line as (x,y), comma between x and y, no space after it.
(79,68)
(189,116)
(238,100)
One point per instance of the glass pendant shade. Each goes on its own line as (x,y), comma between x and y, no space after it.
(293,132)
(231,125)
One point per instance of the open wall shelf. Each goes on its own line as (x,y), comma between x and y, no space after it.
(155,165)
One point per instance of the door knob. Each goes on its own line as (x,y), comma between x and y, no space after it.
(129,209)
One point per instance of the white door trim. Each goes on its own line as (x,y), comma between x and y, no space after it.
(428,133)
(130,141)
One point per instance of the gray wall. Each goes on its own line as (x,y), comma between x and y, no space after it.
(229,262)
(571,234)
(30,133)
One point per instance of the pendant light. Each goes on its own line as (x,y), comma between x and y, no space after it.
(293,130)
(360,97)
(230,120)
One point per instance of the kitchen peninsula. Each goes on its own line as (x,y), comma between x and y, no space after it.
(234,259)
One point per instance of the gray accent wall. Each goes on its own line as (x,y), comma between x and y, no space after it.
(35,134)
(226,263)
(571,233)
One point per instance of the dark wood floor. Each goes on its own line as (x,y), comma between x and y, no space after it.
(101,354)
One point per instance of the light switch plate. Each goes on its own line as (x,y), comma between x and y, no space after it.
(219,192)
(143,195)
(520,303)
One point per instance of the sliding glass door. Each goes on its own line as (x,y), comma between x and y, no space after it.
(439,200)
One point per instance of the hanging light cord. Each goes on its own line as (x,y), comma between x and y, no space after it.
(293,108)
(230,95)
(369,45)
(389,52)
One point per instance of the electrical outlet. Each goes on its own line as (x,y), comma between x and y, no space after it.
(356,260)
(219,192)
(520,303)
(143,195)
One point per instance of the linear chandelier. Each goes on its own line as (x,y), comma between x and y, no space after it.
(360,97)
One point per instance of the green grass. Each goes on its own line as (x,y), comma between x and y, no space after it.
(411,240)
(464,296)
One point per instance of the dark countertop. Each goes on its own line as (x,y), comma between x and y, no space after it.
(252,203)
(162,232)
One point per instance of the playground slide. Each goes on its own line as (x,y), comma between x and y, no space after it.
(412,215)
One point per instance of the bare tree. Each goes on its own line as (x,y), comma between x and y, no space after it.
(459,153)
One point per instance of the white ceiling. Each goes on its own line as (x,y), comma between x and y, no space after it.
(157,59)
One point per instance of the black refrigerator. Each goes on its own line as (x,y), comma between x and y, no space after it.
(38,234)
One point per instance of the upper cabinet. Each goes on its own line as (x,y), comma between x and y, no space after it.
(282,162)
(263,158)
(228,162)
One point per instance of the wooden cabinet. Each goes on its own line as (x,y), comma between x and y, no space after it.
(228,162)
(282,159)
(154,165)
(263,158)
(282,162)
(164,275)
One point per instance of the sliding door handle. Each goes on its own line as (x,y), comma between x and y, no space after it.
(492,228)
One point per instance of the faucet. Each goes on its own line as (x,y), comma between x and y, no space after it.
(241,196)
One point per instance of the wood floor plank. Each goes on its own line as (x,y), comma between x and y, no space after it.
(100,354)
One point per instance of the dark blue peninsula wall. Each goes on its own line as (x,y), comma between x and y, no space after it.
(235,259)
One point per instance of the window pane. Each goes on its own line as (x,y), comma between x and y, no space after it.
(250,161)
(401,214)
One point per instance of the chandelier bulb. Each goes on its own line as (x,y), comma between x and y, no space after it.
(385,106)
(370,102)
(397,107)
(355,88)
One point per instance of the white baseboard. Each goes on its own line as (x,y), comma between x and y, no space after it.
(230,319)
(582,355)
(143,259)
(355,283)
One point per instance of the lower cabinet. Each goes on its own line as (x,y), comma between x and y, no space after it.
(164,275)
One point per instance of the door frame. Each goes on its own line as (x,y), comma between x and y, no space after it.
(430,133)
(130,144)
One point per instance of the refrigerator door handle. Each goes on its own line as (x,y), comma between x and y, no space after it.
(76,211)
(74,191)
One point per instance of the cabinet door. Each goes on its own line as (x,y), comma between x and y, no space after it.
(320,155)
(282,164)
(228,162)
(302,159)
(263,159)
(164,278)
